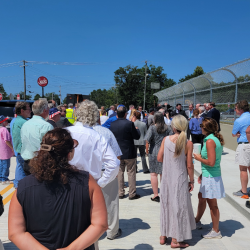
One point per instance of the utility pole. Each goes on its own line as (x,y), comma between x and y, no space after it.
(24,79)
(145,85)
(60,95)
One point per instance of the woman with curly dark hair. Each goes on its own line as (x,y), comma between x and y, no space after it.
(57,206)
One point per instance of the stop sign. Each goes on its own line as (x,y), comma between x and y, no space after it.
(1,97)
(18,97)
(42,81)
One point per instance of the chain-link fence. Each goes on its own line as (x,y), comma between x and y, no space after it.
(224,86)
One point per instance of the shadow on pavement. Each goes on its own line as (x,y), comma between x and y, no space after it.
(139,247)
(129,227)
(9,246)
(229,227)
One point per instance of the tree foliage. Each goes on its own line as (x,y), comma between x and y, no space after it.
(21,93)
(56,97)
(37,96)
(129,87)
(197,72)
(3,92)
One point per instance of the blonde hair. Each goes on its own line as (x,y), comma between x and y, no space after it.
(132,113)
(180,123)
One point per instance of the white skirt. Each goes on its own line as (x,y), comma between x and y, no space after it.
(212,187)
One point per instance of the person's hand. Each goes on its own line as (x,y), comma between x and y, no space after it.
(238,134)
(191,186)
(197,157)
(199,179)
(147,152)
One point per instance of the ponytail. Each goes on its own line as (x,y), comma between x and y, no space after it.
(220,137)
(180,143)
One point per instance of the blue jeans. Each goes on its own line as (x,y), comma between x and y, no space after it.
(4,169)
(19,173)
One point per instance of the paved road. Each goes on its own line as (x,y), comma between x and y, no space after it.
(139,221)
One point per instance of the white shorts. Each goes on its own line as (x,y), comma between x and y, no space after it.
(242,156)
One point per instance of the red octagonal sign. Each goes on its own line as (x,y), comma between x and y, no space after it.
(42,81)
(1,97)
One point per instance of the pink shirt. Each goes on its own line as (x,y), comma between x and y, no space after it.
(5,150)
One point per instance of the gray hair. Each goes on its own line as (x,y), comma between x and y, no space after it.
(87,113)
(51,105)
(39,106)
(162,111)
(70,105)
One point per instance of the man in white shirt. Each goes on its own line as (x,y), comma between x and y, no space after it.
(93,150)
(110,191)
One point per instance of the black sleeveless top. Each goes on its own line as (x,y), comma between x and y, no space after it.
(56,214)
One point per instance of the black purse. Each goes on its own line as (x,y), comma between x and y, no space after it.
(1,205)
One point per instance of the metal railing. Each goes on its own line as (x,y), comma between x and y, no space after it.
(223,86)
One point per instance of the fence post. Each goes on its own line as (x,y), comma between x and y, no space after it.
(236,87)
(194,93)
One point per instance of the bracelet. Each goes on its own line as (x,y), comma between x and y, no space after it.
(192,182)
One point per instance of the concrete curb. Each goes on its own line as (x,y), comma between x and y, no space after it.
(232,202)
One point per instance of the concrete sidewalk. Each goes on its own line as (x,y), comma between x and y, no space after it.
(140,222)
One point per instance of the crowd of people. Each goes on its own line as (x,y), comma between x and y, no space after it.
(70,165)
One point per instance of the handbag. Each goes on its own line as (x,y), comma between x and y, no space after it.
(1,205)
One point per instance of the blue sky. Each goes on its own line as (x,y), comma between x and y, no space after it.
(105,35)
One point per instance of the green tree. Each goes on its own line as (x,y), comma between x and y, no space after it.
(197,72)
(37,96)
(3,92)
(131,83)
(65,100)
(21,93)
(55,97)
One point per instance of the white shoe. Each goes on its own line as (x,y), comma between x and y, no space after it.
(212,235)
(198,225)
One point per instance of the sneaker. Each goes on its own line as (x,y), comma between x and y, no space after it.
(241,194)
(212,235)
(119,233)
(137,196)
(198,225)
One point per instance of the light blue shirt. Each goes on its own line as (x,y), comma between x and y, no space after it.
(32,133)
(240,125)
(11,126)
(110,112)
(109,121)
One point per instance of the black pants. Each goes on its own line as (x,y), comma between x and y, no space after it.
(197,138)
(143,157)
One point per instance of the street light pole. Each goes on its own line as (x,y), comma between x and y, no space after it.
(145,85)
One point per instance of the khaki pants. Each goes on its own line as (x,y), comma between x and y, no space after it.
(131,170)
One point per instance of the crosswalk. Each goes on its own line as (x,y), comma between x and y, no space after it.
(7,193)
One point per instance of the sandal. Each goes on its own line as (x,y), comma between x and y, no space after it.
(163,240)
(179,244)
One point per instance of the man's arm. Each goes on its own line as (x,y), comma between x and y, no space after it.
(111,164)
(236,129)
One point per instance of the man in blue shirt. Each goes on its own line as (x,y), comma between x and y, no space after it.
(242,156)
